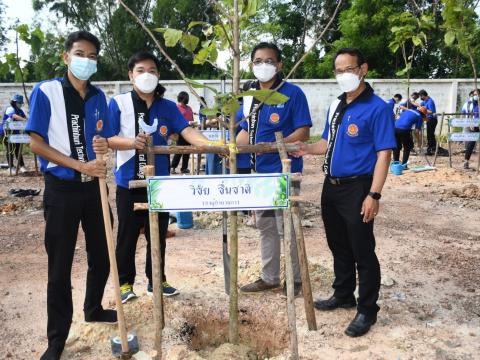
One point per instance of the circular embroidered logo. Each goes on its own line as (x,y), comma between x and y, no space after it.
(99,125)
(352,130)
(274,118)
(163,130)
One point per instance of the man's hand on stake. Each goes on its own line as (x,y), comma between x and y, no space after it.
(370,208)
(100,145)
(140,141)
(302,149)
(96,168)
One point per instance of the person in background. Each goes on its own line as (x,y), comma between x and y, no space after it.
(432,122)
(411,102)
(14,113)
(396,99)
(403,133)
(471,108)
(187,112)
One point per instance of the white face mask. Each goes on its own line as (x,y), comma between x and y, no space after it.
(146,82)
(264,72)
(348,82)
(475,97)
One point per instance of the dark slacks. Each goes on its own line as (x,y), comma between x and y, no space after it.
(405,141)
(470,146)
(431,141)
(185,157)
(130,223)
(66,205)
(14,149)
(352,243)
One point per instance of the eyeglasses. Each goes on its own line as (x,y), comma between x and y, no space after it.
(349,70)
(260,62)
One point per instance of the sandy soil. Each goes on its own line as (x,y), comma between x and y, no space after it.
(428,242)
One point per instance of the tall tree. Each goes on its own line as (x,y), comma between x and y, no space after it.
(3,29)
(365,25)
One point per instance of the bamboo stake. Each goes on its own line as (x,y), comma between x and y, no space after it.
(157,275)
(287,243)
(438,141)
(294,212)
(258,148)
(232,215)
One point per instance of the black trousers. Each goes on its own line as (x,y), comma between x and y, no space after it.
(431,141)
(470,146)
(352,243)
(185,157)
(66,205)
(14,149)
(405,141)
(130,223)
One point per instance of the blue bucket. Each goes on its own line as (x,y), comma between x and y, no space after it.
(396,168)
(185,220)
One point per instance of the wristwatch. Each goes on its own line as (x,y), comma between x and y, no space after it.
(375,195)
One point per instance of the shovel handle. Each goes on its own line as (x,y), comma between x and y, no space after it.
(113,261)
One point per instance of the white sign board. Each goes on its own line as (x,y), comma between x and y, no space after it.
(466,122)
(472,136)
(218,192)
(15,125)
(19,139)
(215,135)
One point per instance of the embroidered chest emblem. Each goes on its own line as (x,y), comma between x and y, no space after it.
(352,130)
(274,118)
(99,125)
(163,130)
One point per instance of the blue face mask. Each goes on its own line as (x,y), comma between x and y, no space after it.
(82,68)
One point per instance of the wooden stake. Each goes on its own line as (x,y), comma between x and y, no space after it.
(287,243)
(157,274)
(449,146)
(220,149)
(438,141)
(113,262)
(294,213)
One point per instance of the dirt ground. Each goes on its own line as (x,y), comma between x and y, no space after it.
(428,243)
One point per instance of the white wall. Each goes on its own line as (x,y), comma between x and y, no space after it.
(448,94)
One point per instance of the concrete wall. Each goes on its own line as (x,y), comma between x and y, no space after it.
(449,94)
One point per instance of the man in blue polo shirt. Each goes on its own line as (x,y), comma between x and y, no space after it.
(144,104)
(470,107)
(403,132)
(432,122)
(357,142)
(67,117)
(291,118)
(396,99)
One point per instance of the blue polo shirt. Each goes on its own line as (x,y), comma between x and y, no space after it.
(67,122)
(471,107)
(408,118)
(287,118)
(124,110)
(367,126)
(391,103)
(430,105)
(9,116)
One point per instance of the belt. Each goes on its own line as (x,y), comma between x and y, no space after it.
(83,178)
(347,180)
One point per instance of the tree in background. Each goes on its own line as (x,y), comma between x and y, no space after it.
(3,29)
(462,30)
(365,25)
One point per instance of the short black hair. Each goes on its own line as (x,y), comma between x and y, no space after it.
(183,97)
(267,45)
(415,94)
(352,52)
(422,93)
(81,35)
(398,96)
(471,93)
(140,56)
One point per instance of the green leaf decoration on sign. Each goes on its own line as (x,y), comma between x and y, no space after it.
(269,97)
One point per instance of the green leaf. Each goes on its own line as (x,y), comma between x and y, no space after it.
(232,106)
(190,42)
(172,37)
(210,111)
(197,85)
(416,41)
(160,30)
(196,23)
(401,72)
(269,97)
(449,38)
(200,57)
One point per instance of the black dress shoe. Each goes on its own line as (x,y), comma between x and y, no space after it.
(334,303)
(360,325)
(52,353)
